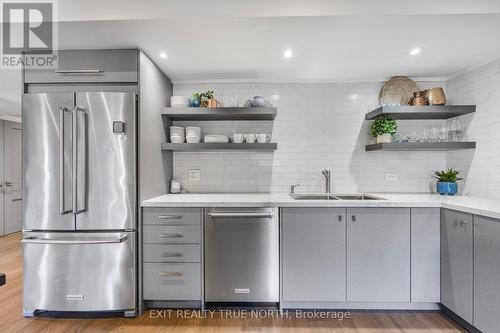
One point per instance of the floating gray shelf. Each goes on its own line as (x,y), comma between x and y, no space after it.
(222,113)
(219,146)
(395,146)
(421,112)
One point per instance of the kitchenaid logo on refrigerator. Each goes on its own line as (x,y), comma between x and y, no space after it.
(28,34)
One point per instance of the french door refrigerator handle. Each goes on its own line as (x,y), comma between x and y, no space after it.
(37,240)
(62,208)
(77,211)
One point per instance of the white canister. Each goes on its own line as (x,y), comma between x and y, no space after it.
(175,187)
(179,101)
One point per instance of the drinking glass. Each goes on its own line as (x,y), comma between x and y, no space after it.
(456,129)
(413,137)
(443,134)
(423,135)
(434,135)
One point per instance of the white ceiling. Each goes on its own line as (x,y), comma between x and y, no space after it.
(93,10)
(326,48)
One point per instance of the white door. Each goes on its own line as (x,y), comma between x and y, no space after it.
(13,177)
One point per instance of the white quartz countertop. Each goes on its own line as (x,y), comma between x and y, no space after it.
(474,205)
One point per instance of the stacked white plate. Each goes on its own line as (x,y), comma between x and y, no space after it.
(177,134)
(193,134)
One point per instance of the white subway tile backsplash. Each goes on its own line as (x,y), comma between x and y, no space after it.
(319,126)
(481,167)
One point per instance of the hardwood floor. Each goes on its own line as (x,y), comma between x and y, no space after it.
(11,319)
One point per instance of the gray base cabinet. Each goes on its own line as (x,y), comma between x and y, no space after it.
(457,263)
(486,274)
(172,254)
(378,254)
(313,247)
(425,255)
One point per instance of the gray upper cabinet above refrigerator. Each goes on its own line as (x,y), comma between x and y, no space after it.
(89,66)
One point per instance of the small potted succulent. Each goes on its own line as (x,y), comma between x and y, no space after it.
(196,100)
(447,181)
(383,128)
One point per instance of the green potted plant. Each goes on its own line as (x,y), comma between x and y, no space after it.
(383,128)
(447,181)
(196,99)
(208,100)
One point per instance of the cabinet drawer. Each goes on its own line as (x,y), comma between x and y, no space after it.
(171,216)
(75,66)
(172,234)
(172,282)
(171,253)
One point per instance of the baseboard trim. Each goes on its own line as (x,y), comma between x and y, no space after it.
(172,305)
(459,320)
(385,306)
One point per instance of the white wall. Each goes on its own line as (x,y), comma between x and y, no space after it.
(155,91)
(481,167)
(319,126)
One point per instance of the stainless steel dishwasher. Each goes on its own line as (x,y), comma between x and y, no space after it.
(241,255)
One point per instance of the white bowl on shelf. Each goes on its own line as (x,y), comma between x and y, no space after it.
(177,139)
(193,129)
(193,138)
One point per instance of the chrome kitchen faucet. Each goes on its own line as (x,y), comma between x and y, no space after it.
(328,180)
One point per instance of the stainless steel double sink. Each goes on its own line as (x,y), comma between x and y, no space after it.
(334,197)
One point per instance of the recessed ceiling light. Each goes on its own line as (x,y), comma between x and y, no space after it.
(163,55)
(287,54)
(415,51)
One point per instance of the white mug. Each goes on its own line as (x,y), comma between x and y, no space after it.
(263,138)
(250,138)
(238,138)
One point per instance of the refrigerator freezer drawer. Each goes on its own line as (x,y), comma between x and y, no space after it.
(79,271)
(172,282)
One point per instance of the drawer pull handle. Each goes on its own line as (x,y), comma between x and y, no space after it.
(169,217)
(178,274)
(170,236)
(340,218)
(171,254)
(353,218)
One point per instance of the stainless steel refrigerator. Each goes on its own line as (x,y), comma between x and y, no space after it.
(80,202)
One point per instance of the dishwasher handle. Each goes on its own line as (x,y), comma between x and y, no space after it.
(242,214)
